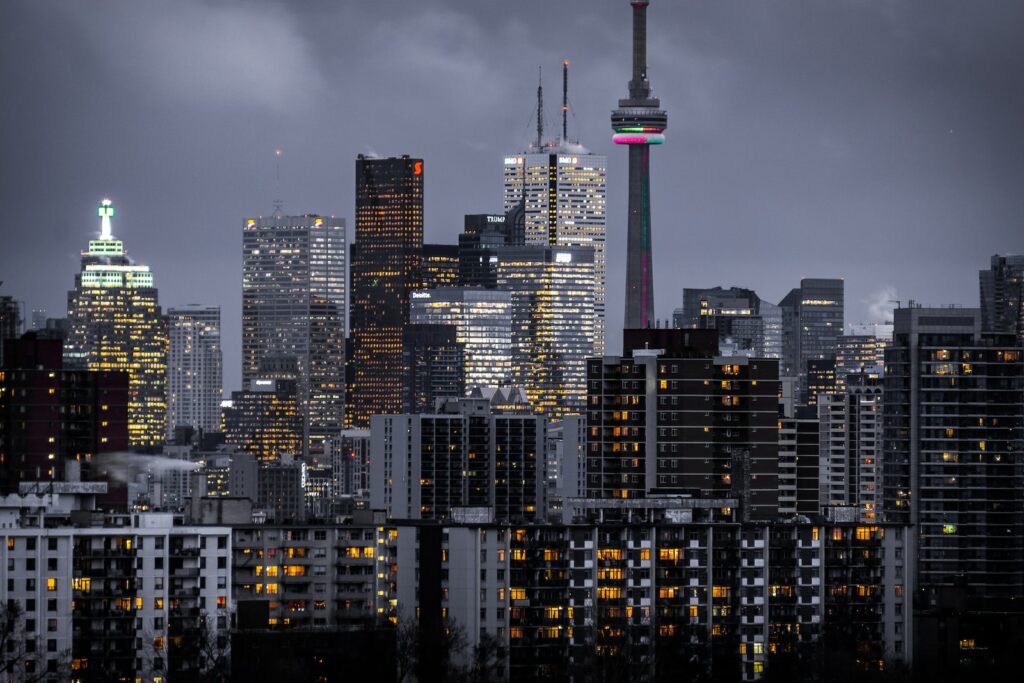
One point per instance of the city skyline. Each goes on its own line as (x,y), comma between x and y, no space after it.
(877,163)
(495,454)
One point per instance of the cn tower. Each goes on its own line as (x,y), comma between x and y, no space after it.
(639,122)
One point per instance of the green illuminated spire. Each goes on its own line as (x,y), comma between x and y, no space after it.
(105,212)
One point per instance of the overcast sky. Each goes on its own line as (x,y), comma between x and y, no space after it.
(879,141)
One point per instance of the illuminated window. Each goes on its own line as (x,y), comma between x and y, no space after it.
(158,603)
(271,570)
(674,554)
(51,584)
(645,554)
(81,583)
(815,534)
(719,591)
(609,593)
(518,554)
(758,667)
(694,611)
(517,593)
(271,589)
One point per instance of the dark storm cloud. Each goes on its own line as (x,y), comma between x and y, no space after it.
(876,141)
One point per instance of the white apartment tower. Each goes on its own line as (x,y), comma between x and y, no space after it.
(195,368)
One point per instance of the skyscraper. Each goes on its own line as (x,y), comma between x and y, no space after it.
(436,365)
(741,317)
(115,323)
(482,319)
(561,187)
(672,417)
(265,419)
(469,452)
(554,322)
(953,427)
(639,122)
(293,305)
(195,369)
(1002,295)
(440,265)
(387,260)
(812,322)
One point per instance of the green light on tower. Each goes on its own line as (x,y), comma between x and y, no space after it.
(106,209)
(105,212)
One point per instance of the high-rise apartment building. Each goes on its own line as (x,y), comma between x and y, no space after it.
(812,322)
(799,463)
(293,305)
(851,445)
(954,424)
(108,598)
(554,322)
(115,323)
(751,324)
(1002,295)
(482,319)
(859,354)
(468,453)
(195,369)
(54,419)
(662,601)
(952,467)
(10,320)
(387,259)
(562,189)
(673,417)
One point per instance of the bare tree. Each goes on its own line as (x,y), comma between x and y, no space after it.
(18,659)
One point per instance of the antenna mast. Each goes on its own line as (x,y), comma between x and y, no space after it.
(565,99)
(277,177)
(540,110)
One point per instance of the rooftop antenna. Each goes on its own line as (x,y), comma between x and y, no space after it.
(565,99)
(278,204)
(540,109)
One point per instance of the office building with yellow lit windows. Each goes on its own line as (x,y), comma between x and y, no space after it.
(387,263)
(115,323)
(562,187)
(293,307)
